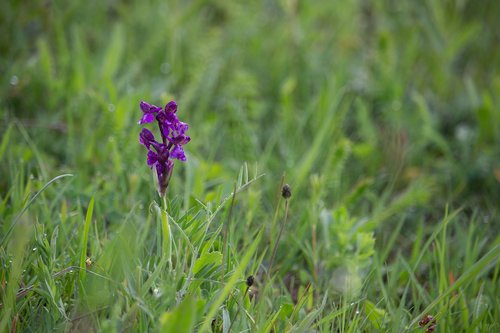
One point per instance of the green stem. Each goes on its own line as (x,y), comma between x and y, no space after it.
(239,308)
(166,237)
(278,239)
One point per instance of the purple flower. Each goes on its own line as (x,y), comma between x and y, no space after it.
(161,154)
(150,112)
(146,138)
(171,107)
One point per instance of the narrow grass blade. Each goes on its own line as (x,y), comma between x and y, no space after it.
(29,204)
(85,237)
(468,276)
(17,248)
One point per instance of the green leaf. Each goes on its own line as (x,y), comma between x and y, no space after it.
(207,259)
(183,318)
(285,311)
(375,315)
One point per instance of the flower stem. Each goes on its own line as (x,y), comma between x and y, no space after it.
(276,212)
(166,237)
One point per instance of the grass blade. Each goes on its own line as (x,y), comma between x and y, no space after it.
(85,237)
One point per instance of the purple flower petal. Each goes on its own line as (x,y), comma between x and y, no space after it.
(165,129)
(146,118)
(160,169)
(171,107)
(178,153)
(146,138)
(163,153)
(149,108)
(171,119)
(182,127)
(167,119)
(152,158)
(179,140)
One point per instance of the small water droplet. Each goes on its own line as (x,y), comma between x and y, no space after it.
(357,312)
(14,80)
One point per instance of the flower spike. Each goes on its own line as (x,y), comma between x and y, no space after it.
(161,154)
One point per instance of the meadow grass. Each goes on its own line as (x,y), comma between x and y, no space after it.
(382,117)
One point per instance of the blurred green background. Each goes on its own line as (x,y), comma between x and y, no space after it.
(386,109)
(403,91)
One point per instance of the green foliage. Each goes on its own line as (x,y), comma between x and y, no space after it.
(381,116)
(183,318)
(375,315)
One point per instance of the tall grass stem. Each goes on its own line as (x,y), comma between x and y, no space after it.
(166,235)
(278,239)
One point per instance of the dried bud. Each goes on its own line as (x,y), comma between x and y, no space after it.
(250,281)
(253,294)
(286,191)
(88,263)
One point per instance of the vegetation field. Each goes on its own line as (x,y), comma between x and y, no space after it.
(342,174)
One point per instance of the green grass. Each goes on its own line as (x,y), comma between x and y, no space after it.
(381,115)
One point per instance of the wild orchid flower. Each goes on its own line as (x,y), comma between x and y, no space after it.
(161,153)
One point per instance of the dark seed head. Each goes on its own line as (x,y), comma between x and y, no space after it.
(286,191)
(250,281)
(426,320)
